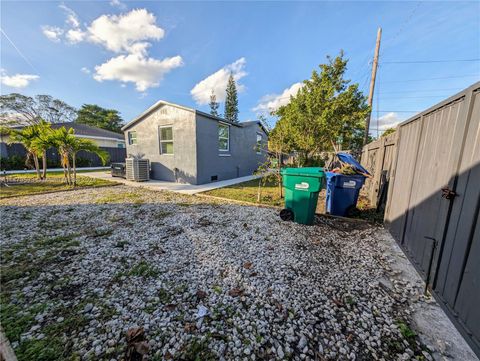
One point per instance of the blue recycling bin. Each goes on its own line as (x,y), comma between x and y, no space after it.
(342,193)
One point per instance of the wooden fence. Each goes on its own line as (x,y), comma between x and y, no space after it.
(377,158)
(433,201)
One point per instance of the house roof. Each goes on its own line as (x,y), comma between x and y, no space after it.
(254,122)
(89,131)
(163,102)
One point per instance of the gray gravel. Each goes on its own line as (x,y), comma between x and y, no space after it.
(217,280)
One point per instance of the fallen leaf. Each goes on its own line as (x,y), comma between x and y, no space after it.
(201,294)
(338,302)
(142,347)
(235,292)
(189,327)
(137,345)
(247,265)
(170,307)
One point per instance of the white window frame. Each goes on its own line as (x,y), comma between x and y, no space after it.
(227,138)
(165,141)
(130,138)
(257,145)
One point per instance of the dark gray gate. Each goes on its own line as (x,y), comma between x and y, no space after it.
(433,204)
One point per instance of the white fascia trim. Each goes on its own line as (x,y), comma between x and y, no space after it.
(100,138)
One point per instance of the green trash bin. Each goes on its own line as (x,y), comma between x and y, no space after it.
(301,193)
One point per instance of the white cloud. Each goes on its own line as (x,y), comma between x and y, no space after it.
(272,102)
(53,33)
(85,70)
(72,18)
(129,34)
(218,82)
(118,4)
(17,80)
(143,71)
(386,121)
(75,36)
(124,32)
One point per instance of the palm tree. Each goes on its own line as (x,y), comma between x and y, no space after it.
(43,142)
(68,146)
(27,136)
(63,140)
(88,146)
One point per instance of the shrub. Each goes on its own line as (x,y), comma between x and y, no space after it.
(13,162)
(83,162)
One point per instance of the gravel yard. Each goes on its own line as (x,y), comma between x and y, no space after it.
(205,280)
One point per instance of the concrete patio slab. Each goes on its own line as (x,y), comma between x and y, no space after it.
(171,186)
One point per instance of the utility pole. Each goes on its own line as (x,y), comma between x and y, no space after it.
(372,84)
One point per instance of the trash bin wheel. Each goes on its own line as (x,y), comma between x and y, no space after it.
(352,211)
(286,214)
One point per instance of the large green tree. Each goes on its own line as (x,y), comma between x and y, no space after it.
(94,115)
(18,109)
(231,101)
(327,112)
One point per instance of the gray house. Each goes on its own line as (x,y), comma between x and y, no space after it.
(189,146)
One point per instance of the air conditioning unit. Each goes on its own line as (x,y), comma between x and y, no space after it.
(137,170)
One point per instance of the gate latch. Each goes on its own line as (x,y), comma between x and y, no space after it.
(447,193)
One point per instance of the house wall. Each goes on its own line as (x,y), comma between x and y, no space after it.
(148,144)
(241,159)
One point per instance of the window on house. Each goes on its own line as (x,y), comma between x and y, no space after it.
(120,145)
(223,137)
(132,137)
(259,144)
(166,140)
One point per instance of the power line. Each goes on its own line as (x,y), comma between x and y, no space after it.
(18,51)
(416,97)
(398,111)
(402,27)
(429,61)
(437,78)
(419,91)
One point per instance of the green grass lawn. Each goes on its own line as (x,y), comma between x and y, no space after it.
(247,192)
(54,183)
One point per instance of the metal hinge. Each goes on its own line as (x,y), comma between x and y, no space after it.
(447,193)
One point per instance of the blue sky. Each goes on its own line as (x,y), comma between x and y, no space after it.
(127,55)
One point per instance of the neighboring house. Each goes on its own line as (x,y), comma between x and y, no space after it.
(101,137)
(189,146)
(113,143)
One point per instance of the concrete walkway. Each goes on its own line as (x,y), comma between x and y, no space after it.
(170,186)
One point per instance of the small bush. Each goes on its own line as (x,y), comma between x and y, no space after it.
(14,162)
(83,162)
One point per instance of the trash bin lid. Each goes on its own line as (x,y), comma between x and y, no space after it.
(347,158)
(306,171)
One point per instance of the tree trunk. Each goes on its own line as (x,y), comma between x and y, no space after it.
(259,191)
(74,156)
(64,166)
(37,166)
(44,165)
(69,172)
(279,176)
